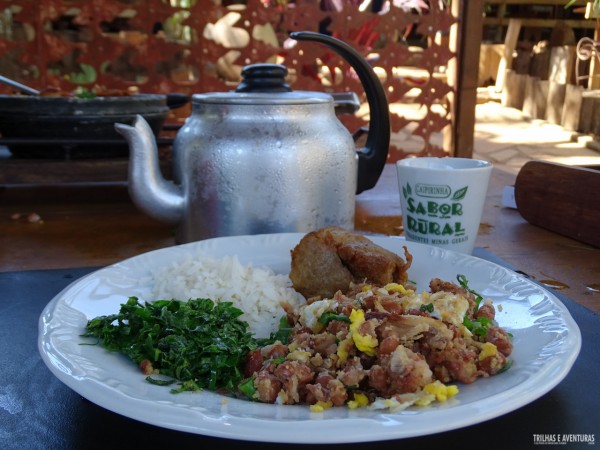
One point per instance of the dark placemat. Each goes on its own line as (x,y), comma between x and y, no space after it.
(37,411)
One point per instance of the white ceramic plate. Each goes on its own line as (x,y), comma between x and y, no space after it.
(546,344)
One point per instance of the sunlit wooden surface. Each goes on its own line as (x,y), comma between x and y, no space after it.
(92,226)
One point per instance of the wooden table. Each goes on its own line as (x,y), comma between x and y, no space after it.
(96,225)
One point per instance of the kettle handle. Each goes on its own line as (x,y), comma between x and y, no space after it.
(371,158)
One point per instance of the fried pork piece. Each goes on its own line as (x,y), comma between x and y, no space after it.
(329,259)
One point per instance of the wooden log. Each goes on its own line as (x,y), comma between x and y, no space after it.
(522,59)
(556,99)
(594,71)
(588,100)
(510,44)
(536,93)
(489,61)
(571,112)
(562,64)
(529,107)
(595,125)
(560,198)
(513,94)
(540,60)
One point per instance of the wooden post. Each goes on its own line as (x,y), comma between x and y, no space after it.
(510,44)
(536,93)
(594,79)
(572,107)
(513,95)
(463,74)
(489,59)
(556,100)
(589,99)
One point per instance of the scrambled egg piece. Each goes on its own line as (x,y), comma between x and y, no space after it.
(320,406)
(365,343)
(436,391)
(359,401)
(396,403)
(299,355)
(395,287)
(309,317)
(488,350)
(451,307)
(343,349)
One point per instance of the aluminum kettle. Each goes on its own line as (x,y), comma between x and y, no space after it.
(261,159)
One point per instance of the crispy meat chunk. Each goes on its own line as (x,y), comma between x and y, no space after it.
(316,269)
(328,260)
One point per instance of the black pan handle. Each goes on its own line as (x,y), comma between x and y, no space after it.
(176,100)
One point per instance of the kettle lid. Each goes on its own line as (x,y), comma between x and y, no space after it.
(264,84)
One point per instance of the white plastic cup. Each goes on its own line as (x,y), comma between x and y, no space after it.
(442,200)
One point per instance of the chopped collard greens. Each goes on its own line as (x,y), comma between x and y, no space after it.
(462,280)
(481,324)
(198,343)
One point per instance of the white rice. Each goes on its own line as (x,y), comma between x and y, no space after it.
(258,292)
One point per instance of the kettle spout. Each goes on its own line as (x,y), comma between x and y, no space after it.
(157,197)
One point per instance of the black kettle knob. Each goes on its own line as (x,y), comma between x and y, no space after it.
(264,78)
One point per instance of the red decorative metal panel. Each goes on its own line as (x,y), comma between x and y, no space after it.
(191,46)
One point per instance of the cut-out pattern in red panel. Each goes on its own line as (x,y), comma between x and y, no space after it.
(193,46)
